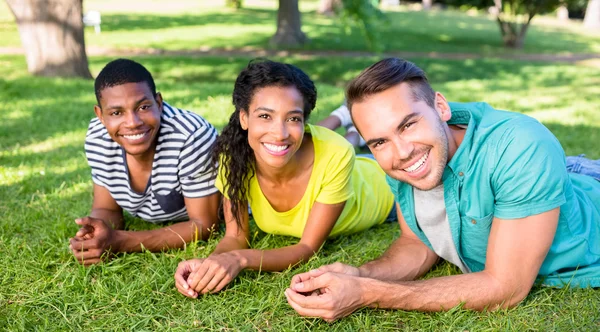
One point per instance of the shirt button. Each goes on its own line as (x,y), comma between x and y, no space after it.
(473,222)
(461,173)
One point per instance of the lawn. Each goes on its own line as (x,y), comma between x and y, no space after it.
(45,184)
(193,25)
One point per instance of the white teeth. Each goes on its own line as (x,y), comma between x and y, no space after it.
(134,137)
(275,148)
(418,164)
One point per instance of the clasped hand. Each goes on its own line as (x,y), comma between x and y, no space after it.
(329,292)
(93,239)
(208,275)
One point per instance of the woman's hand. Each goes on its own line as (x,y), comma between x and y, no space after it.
(215,272)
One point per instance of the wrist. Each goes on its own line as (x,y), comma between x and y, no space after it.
(116,241)
(242,260)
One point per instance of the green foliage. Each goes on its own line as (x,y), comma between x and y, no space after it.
(367,14)
(237,4)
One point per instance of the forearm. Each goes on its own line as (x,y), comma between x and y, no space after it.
(406,259)
(113,218)
(230,243)
(171,237)
(478,291)
(274,259)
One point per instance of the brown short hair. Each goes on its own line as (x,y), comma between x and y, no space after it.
(386,74)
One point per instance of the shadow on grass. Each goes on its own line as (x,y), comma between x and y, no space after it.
(414,31)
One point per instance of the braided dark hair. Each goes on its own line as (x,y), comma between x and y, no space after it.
(232,150)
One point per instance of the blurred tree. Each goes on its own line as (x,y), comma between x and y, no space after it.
(364,12)
(52,36)
(513,16)
(289,26)
(592,15)
(237,4)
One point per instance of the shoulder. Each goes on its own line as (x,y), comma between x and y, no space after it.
(95,129)
(326,140)
(186,123)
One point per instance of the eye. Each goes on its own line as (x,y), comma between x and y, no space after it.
(408,125)
(264,116)
(145,107)
(378,144)
(115,113)
(295,119)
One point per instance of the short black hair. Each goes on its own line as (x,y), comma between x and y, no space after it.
(122,71)
(386,74)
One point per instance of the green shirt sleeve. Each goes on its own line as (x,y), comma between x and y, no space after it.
(530,173)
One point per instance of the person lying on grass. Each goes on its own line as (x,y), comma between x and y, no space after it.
(489,191)
(300,180)
(149,159)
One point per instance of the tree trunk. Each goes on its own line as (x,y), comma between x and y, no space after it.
(592,15)
(562,13)
(513,34)
(289,27)
(52,36)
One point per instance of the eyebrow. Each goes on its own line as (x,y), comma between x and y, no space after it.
(141,100)
(266,109)
(398,128)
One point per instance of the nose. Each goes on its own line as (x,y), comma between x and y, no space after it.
(133,120)
(403,149)
(279,130)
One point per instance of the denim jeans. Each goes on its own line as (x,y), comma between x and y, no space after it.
(582,165)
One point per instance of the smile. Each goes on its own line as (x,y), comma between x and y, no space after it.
(416,166)
(135,137)
(276,149)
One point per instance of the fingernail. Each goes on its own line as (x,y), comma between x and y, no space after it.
(191,293)
(186,286)
(300,285)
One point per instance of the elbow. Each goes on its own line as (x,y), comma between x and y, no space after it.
(507,296)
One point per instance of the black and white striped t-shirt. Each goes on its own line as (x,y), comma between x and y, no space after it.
(182,166)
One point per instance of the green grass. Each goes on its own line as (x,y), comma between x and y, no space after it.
(190,25)
(45,181)
(45,185)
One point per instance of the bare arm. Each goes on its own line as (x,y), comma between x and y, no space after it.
(203,219)
(216,271)
(408,258)
(516,250)
(102,231)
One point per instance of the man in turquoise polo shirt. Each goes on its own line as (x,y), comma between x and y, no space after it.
(487,190)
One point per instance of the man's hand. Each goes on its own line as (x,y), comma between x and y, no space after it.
(184,269)
(335,268)
(332,295)
(215,273)
(93,239)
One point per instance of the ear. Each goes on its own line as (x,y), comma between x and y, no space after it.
(159,101)
(98,112)
(442,107)
(244,119)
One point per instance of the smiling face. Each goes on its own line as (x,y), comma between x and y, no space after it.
(131,115)
(413,144)
(275,124)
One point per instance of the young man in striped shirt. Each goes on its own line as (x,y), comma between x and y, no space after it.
(149,159)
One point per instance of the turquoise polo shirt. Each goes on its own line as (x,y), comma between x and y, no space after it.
(510,166)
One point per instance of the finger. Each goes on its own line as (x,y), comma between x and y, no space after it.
(189,293)
(85,229)
(216,280)
(196,276)
(80,244)
(312,284)
(89,221)
(87,255)
(306,311)
(224,282)
(181,274)
(313,302)
(211,274)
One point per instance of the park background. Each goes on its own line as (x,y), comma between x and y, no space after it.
(195,49)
